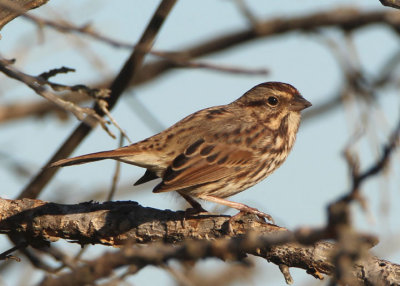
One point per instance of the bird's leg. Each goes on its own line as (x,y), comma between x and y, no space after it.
(241,207)
(196,207)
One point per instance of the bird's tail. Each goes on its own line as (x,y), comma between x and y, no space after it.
(112,154)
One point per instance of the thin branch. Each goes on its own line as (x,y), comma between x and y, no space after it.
(246,12)
(180,60)
(103,105)
(286,273)
(7,254)
(116,176)
(64,26)
(377,167)
(54,72)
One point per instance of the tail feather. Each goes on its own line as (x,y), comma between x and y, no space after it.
(112,154)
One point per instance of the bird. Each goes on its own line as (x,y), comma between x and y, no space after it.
(219,151)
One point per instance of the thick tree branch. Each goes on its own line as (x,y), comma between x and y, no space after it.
(113,223)
(201,236)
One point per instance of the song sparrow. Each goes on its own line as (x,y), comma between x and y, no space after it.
(220,151)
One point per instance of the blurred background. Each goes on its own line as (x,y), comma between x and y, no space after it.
(351,76)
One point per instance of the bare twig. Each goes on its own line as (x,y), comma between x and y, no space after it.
(17,167)
(247,13)
(38,85)
(116,173)
(103,105)
(54,72)
(359,178)
(7,254)
(180,60)
(286,273)
(63,26)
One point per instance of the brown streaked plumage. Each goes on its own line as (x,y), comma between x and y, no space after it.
(219,151)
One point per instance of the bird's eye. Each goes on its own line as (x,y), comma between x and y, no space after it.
(272,101)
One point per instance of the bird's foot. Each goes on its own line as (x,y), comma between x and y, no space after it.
(239,206)
(249,210)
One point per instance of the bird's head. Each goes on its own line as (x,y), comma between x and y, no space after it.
(273,101)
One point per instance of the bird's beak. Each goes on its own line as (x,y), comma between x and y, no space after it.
(299,103)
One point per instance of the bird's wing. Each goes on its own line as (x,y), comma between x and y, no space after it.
(202,163)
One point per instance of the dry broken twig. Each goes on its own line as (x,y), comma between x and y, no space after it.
(357,177)
(39,83)
(377,167)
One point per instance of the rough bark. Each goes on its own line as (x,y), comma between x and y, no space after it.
(127,224)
